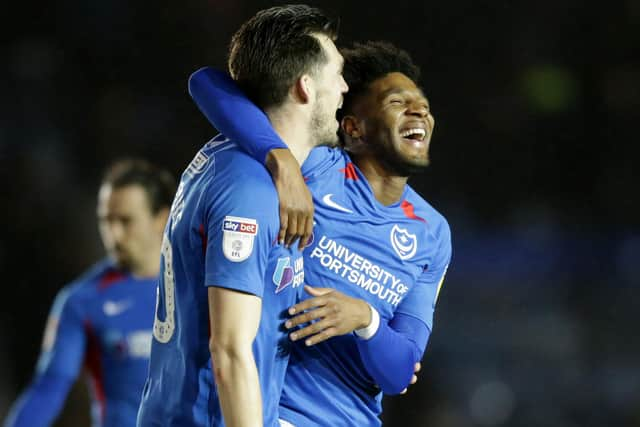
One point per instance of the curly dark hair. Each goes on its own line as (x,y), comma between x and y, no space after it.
(275,47)
(366,62)
(158,184)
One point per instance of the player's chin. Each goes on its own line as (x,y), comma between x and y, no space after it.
(407,166)
(122,259)
(415,156)
(418,162)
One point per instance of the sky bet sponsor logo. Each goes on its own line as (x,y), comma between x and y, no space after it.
(359,270)
(285,275)
(237,237)
(240,227)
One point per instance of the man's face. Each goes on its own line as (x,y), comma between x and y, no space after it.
(396,123)
(330,87)
(130,231)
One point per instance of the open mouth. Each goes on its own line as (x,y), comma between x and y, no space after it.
(414,134)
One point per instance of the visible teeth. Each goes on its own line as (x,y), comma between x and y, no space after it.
(416,131)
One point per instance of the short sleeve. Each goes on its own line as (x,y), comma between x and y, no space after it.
(420,302)
(241,227)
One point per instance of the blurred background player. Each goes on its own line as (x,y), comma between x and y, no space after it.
(103,320)
(381,247)
(225,281)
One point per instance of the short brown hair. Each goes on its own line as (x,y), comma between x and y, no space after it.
(275,47)
(157,183)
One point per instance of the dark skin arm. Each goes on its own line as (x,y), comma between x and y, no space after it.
(296,204)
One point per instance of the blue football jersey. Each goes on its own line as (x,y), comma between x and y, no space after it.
(102,321)
(222,231)
(394,257)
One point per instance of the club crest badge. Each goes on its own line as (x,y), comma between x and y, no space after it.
(238,235)
(404,243)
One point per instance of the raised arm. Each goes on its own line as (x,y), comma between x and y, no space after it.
(235,116)
(58,367)
(232,113)
(234,319)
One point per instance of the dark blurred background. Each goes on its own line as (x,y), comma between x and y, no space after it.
(537,105)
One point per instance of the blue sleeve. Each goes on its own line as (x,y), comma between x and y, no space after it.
(40,404)
(242,222)
(420,302)
(390,355)
(232,113)
(62,355)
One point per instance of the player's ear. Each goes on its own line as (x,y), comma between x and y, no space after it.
(351,127)
(303,89)
(352,133)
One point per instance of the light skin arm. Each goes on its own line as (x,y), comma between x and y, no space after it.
(234,320)
(296,204)
(335,314)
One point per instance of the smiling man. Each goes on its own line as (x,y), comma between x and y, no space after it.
(379,246)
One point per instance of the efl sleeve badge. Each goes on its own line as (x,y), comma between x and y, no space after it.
(238,236)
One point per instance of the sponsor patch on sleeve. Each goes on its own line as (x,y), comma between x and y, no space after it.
(238,236)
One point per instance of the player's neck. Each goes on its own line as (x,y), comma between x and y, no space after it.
(292,128)
(387,187)
(148,269)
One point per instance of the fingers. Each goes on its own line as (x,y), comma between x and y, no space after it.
(414,379)
(292,230)
(308,304)
(301,230)
(317,313)
(316,333)
(317,292)
(321,336)
(296,203)
(295,224)
(284,218)
(307,229)
(312,329)
(417,367)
